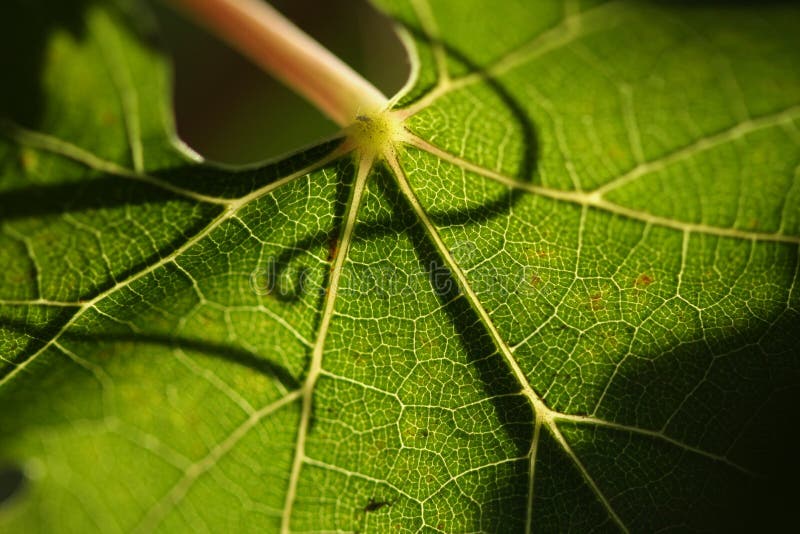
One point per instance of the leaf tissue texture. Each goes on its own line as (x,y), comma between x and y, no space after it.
(562,296)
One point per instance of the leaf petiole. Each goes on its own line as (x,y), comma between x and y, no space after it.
(273,42)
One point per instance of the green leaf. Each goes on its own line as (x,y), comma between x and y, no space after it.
(567,301)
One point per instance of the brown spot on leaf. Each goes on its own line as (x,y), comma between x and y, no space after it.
(108,118)
(644,280)
(333,246)
(28,160)
(596,301)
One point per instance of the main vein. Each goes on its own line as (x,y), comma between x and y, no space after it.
(542,414)
(315,367)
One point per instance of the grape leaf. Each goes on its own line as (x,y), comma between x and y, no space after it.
(563,297)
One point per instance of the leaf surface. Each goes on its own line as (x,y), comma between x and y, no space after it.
(565,299)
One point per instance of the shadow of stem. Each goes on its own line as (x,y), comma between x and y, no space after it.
(223,351)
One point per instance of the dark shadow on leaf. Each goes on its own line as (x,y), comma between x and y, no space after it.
(99,194)
(235,182)
(522,119)
(210,348)
(282,262)
(343,188)
(499,384)
(81,196)
(733,399)
(34,336)
(12,483)
(750,505)
(769,504)
(76,195)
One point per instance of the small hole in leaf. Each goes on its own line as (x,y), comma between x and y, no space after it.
(12,480)
(229,110)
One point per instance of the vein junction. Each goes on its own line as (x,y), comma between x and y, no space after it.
(376,138)
(379,138)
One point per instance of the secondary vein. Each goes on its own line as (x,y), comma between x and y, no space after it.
(541,411)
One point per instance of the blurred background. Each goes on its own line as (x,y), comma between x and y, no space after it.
(230,111)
